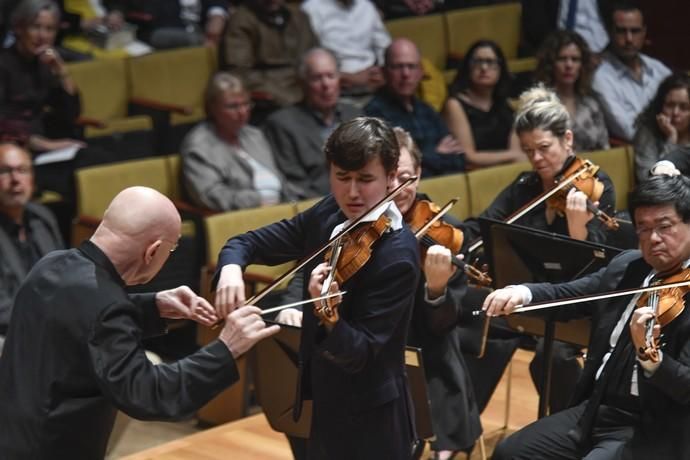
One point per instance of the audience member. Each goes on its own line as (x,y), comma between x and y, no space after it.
(299,132)
(402,8)
(566,65)
(540,18)
(626,80)
(227,164)
(177,23)
(36,92)
(477,113)
(74,352)
(263,43)
(354,32)
(28,230)
(396,103)
(663,129)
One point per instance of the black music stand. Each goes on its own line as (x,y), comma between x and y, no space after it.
(518,254)
(275,379)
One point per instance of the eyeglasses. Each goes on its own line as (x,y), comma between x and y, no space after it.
(20,170)
(480,62)
(174,245)
(403,66)
(248,105)
(573,59)
(663,230)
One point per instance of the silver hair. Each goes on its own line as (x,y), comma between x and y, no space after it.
(303,67)
(221,83)
(27,11)
(540,108)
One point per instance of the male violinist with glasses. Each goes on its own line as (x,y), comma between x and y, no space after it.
(352,368)
(628,403)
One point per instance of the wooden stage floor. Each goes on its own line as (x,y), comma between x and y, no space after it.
(252,438)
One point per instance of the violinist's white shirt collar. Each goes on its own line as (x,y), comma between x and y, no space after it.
(390,209)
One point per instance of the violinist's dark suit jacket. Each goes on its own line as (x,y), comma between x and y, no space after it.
(355,374)
(73,355)
(664,427)
(435,330)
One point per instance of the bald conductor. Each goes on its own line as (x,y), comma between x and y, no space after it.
(74,355)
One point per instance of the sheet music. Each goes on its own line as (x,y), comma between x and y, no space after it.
(56,156)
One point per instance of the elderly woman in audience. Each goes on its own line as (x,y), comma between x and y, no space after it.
(37,95)
(565,64)
(228,164)
(477,112)
(663,128)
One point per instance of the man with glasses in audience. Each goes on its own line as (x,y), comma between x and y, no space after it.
(398,104)
(626,80)
(28,230)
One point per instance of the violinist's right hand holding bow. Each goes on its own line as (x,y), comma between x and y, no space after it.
(503,301)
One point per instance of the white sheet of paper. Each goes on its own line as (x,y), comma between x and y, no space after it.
(56,156)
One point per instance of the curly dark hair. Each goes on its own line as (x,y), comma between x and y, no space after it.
(548,54)
(462,78)
(356,142)
(648,116)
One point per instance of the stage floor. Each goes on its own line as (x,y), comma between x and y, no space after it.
(252,438)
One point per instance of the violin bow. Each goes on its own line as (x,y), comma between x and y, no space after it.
(590,298)
(268,311)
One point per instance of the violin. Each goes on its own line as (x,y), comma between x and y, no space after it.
(346,257)
(424,218)
(667,305)
(584,179)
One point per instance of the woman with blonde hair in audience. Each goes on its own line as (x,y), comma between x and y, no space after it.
(227,164)
(663,128)
(565,64)
(477,112)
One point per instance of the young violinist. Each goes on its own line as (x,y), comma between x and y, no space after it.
(437,309)
(626,405)
(352,368)
(543,126)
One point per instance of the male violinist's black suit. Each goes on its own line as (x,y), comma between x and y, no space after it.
(661,413)
(355,374)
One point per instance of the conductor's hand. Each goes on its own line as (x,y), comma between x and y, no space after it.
(243,328)
(290,316)
(183,303)
(230,290)
(502,301)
